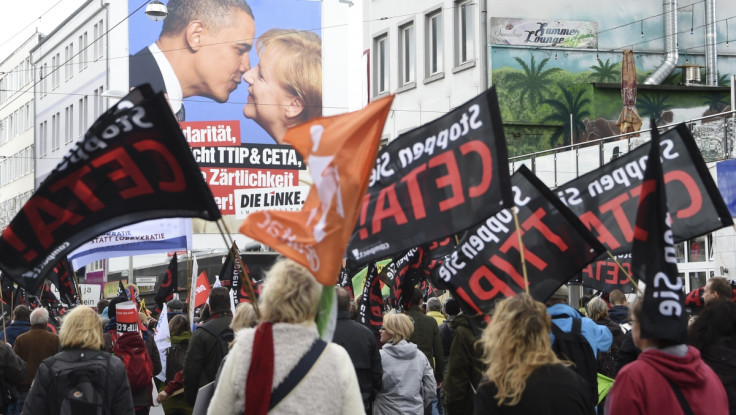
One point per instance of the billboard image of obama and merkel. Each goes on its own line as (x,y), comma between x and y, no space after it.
(238,74)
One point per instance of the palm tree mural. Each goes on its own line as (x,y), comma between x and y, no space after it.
(605,71)
(715,102)
(573,102)
(652,105)
(724,80)
(533,81)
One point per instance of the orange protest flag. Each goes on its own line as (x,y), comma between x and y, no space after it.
(201,290)
(340,152)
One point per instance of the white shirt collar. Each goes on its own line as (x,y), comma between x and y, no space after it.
(173,88)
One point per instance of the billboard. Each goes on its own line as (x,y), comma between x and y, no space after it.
(237,77)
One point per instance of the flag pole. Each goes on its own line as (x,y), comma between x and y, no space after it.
(248,286)
(521,249)
(610,255)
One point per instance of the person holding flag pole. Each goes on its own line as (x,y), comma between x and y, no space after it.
(668,376)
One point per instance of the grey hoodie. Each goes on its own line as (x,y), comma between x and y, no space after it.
(408,380)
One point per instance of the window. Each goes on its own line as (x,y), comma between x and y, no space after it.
(82,51)
(82,115)
(434,43)
(98,40)
(69,124)
(380,57)
(464,36)
(55,71)
(42,138)
(406,54)
(55,131)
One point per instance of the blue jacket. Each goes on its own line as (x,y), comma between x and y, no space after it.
(15,329)
(599,337)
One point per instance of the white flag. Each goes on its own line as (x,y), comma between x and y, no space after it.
(193,290)
(163,341)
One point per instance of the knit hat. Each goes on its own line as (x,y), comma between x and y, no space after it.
(562,293)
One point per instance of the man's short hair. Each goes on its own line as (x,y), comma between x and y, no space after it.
(722,287)
(39,316)
(343,299)
(616,297)
(416,297)
(433,304)
(22,313)
(214,14)
(219,300)
(452,308)
(102,305)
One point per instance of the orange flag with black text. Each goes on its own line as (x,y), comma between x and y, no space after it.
(201,290)
(340,152)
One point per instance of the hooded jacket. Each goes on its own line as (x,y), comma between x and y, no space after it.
(408,384)
(642,386)
(619,314)
(599,337)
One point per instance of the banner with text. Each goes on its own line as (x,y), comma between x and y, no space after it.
(434,181)
(132,165)
(487,264)
(606,199)
(605,275)
(544,32)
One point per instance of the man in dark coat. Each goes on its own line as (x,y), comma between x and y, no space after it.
(203,354)
(12,370)
(34,346)
(464,366)
(21,324)
(362,347)
(427,336)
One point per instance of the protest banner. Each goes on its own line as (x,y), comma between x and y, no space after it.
(606,199)
(132,165)
(487,266)
(434,181)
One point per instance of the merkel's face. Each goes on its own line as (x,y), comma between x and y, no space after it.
(267,99)
(223,57)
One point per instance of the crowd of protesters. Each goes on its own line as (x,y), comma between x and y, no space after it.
(525,357)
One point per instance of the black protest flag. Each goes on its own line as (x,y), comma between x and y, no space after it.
(606,199)
(49,300)
(62,276)
(606,275)
(434,181)
(370,311)
(344,281)
(169,284)
(486,266)
(408,274)
(133,164)
(654,260)
(230,272)
(122,291)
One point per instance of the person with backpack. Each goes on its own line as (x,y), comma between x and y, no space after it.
(524,375)
(464,366)
(175,358)
(598,312)
(209,345)
(577,338)
(126,341)
(282,363)
(80,379)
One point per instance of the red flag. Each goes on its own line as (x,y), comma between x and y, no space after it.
(202,290)
(340,152)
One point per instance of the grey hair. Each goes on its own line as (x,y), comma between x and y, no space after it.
(39,316)
(214,14)
(434,304)
(597,308)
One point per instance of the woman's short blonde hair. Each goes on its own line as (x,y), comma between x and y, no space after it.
(290,294)
(398,326)
(299,67)
(81,329)
(245,317)
(597,309)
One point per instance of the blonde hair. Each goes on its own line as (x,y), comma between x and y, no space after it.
(398,326)
(516,343)
(597,309)
(290,294)
(299,67)
(81,329)
(245,317)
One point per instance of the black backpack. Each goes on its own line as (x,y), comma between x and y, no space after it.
(79,387)
(175,359)
(574,347)
(225,336)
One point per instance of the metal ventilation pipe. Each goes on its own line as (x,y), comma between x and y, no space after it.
(670,44)
(711,53)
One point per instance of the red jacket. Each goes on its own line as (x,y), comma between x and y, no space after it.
(641,387)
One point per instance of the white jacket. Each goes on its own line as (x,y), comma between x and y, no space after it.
(408,380)
(330,387)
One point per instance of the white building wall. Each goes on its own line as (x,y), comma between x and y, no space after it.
(71,66)
(16,130)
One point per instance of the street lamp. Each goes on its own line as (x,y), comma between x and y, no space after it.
(156,11)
